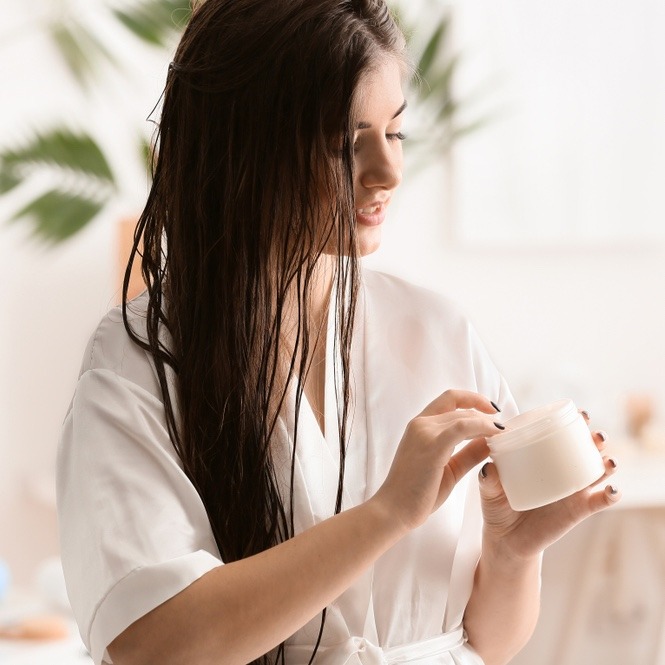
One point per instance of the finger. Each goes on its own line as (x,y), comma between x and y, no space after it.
(585,414)
(451,400)
(439,419)
(610,470)
(466,426)
(491,489)
(468,457)
(586,502)
(474,452)
(600,500)
(610,466)
(600,439)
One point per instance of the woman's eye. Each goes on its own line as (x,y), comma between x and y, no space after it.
(392,136)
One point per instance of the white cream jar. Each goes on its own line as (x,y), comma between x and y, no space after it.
(544,455)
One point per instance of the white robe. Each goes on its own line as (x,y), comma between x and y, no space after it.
(134,531)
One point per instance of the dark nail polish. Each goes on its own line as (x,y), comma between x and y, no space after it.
(483,470)
(613,490)
(585,414)
(499,426)
(602,435)
(498,410)
(613,462)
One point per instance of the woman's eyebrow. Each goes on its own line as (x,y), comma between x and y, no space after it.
(367,125)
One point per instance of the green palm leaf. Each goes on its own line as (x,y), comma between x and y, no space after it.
(84,179)
(433,47)
(154,21)
(439,82)
(61,149)
(471,127)
(8,179)
(146,154)
(80,49)
(80,179)
(58,215)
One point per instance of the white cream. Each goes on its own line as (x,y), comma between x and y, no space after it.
(544,455)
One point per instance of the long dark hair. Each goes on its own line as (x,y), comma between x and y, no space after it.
(256,131)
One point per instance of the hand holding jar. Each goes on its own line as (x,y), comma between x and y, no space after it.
(544,479)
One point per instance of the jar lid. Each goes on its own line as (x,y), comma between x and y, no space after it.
(532,425)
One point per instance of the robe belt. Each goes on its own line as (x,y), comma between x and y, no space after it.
(359,650)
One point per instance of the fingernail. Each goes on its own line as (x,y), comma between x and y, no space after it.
(613,490)
(483,470)
(585,413)
(613,462)
(498,410)
(602,435)
(499,426)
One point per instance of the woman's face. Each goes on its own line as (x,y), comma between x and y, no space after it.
(377,149)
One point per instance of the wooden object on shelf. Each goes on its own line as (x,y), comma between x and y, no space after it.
(44,627)
(640,411)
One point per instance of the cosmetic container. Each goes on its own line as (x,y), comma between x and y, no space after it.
(544,455)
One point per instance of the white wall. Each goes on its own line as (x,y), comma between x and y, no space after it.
(50,302)
(576,96)
(579,319)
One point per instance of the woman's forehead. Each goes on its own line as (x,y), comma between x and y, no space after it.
(380,92)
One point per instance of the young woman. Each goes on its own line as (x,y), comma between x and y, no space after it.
(267,455)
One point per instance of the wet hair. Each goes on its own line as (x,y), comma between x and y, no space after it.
(256,130)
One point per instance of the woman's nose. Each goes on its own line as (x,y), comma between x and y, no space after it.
(383,168)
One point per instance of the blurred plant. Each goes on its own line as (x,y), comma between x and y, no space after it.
(81,180)
(441,117)
(84,182)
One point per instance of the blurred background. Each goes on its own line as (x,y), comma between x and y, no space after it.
(533,196)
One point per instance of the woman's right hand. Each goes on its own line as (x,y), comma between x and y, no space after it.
(426,467)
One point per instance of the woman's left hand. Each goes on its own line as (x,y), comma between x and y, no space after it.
(523,535)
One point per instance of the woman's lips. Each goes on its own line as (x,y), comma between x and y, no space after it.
(372,215)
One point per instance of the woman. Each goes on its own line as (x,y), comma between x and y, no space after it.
(262,460)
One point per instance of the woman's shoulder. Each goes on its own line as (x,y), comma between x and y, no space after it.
(409,299)
(111,349)
(434,334)
(415,316)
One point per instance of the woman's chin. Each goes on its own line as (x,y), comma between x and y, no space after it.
(369,242)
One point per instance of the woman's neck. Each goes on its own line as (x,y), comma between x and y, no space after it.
(313,374)
(318,300)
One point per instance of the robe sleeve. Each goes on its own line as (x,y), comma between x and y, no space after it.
(489,380)
(133,529)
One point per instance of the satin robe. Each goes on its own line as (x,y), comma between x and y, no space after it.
(134,531)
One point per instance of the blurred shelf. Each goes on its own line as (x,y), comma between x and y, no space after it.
(640,476)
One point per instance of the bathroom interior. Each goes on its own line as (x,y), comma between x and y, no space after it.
(536,204)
